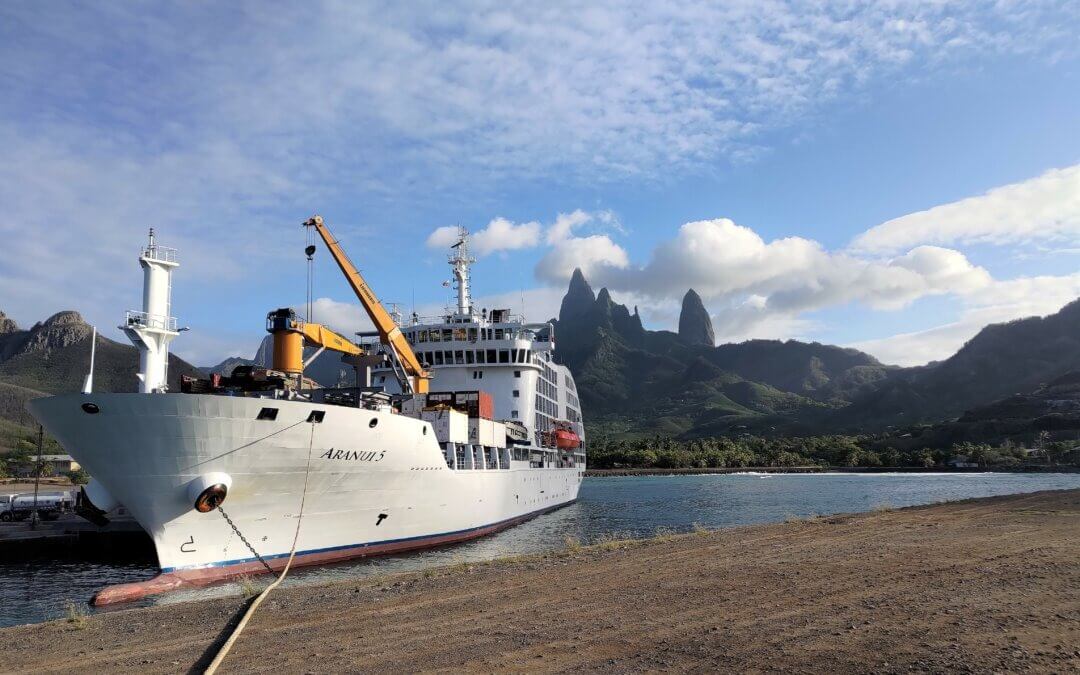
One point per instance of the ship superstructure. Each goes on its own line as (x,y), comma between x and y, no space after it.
(469,348)
(458,427)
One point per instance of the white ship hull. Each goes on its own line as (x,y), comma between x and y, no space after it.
(376,481)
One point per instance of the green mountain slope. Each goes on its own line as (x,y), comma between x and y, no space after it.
(54,356)
(632,381)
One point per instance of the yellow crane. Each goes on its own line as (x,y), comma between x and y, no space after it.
(416,378)
(289,335)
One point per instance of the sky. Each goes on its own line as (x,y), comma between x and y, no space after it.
(890,176)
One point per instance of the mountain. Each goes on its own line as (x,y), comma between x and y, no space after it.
(226,366)
(631,380)
(695,325)
(635,381)
(1003,359)
(54,356)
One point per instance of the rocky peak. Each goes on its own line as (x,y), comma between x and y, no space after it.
(579,297)
(56,332)
(7,325)
(695,326)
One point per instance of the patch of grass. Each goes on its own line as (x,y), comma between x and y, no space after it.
(663,534)
(698,528)
(247,586)
(76,616)
(884,507)
(572,543)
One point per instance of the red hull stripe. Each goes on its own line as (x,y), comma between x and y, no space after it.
(175,579)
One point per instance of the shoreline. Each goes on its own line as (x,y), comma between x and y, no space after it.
(815,469)
(987,584)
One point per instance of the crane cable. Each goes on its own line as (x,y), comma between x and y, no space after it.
(216,663)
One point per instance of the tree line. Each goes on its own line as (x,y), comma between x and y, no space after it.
(833,450)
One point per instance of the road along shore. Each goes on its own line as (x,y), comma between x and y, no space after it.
(986,584)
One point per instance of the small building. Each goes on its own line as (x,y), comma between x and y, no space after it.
(60,464)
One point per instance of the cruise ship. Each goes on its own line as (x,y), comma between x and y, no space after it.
(456,427)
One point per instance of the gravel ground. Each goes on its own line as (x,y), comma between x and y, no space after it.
(982,585)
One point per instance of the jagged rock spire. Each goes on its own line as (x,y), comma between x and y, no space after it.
(7,325)
(695,326)
(579,297)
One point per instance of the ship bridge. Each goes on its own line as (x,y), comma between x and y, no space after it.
(493,351)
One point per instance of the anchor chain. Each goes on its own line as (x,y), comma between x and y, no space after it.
(244,539)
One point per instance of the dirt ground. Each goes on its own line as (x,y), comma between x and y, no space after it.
(982,585)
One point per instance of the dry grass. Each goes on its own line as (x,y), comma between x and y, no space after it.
(76,616)
(573,544)
(247,586)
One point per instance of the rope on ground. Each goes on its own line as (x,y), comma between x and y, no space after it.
(212,668)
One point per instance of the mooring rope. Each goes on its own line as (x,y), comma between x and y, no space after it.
(212,668)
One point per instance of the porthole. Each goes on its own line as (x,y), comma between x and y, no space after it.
(90,408)
(373,423)
(268,414)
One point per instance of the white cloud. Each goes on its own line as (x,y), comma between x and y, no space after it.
(503,235)
(996,302)
(594,254)
(442,237)
(1044,208)
(565,223)
(723,261)
(499,235)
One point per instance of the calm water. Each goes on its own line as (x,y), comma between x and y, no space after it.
(638,506)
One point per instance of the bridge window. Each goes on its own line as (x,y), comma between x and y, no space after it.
(447,335)
(438,358)
(459,357)
(504,356)
(469,357)
(472,334)
(480,356)
(491,356)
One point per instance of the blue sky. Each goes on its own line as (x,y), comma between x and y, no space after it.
(891,176)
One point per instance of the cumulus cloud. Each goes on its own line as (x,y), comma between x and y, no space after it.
(503,235)
(721,259)
(500,234)
(565,223)
(442,237)
(1044,208)
(997,302)
(593,254)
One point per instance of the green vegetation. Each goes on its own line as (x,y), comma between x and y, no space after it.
(852,451)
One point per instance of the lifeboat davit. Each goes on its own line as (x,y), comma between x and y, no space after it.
(566,439)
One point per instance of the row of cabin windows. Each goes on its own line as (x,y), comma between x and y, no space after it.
(468,357)
(546,406)
(470,334)
(546,388)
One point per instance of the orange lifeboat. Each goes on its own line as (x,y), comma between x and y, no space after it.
(566,439)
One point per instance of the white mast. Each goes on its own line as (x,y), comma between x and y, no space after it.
(152,329)
(459,262)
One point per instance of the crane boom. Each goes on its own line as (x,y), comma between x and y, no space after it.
(416,377)
(289,336)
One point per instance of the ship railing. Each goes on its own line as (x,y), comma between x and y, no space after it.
(134,319)
(162,253)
